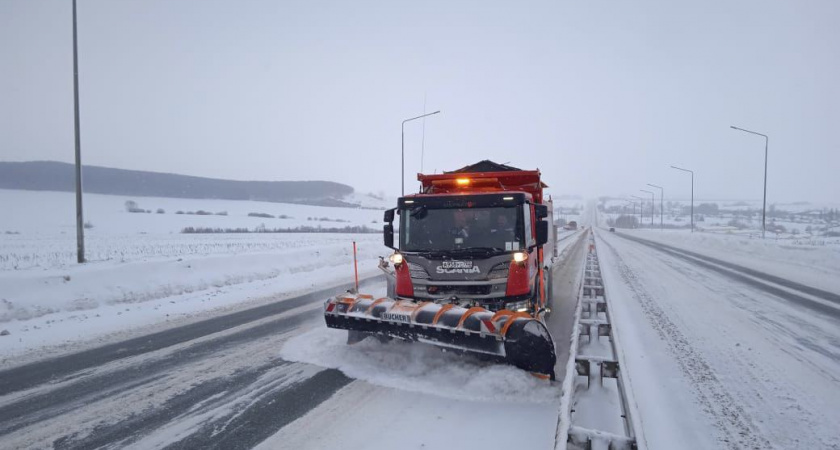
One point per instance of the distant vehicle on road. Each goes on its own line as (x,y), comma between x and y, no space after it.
(612,229)
(572,225)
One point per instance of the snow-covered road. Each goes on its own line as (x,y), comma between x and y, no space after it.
(722,357)
(216,383)
(274,375)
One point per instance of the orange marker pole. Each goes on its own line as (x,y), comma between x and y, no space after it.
(356,267)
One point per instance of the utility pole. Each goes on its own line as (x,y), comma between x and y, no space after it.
(634,207)
(661,205)
(641,208)
(764,207)
(80,223)
(652,207)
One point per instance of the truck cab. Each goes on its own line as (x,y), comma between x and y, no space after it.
(466,239)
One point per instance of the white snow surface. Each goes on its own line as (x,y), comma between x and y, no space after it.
(715,363)
(411,395)
(53,214)
(418,368)
(815,266)
(143,272)
(367,417)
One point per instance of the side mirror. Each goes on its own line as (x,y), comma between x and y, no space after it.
(541,211)
(542,232)
(388,234)
(389,215)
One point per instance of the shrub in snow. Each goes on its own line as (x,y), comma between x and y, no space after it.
(161,211)
(263,229)
(263,215)
(132,207)
(221,213)
(88,225)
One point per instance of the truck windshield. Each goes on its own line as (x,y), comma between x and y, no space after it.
(451,229)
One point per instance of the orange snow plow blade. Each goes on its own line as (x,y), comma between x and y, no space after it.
(515,338)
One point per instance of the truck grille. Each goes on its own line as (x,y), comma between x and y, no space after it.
(479,289)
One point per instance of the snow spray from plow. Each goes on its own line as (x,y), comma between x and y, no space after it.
(515,338)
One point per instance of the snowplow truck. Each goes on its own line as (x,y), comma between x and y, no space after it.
(470,268)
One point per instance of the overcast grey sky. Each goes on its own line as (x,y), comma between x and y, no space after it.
(601,96)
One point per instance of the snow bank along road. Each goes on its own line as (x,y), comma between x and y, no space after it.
(267,376)
(720,355)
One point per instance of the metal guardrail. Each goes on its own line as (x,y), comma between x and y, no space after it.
(591,416)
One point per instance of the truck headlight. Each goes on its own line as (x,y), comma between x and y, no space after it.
(520,256)
(396,258)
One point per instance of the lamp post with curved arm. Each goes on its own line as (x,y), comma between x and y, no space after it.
(764,205)
(692,193)
(661,204)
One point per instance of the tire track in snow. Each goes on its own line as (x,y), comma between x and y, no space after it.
(218,380)
(224,413)
(767,385)
(68,397)
(736,427)
(768,321)
(60,368)
(743,274)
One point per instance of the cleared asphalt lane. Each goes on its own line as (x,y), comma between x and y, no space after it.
(99,397)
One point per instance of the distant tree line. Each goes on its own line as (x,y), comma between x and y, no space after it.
(57,176)
(263,229)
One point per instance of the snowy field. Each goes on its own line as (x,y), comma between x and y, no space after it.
(143,271)
(802,222)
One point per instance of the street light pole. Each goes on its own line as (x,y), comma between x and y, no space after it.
(652,207)
(764,207)
(641,208)
(402,171)
(634,207)
(80,230)
(692,194)
(661,204)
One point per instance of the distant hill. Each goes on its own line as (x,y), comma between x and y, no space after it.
(58,176)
